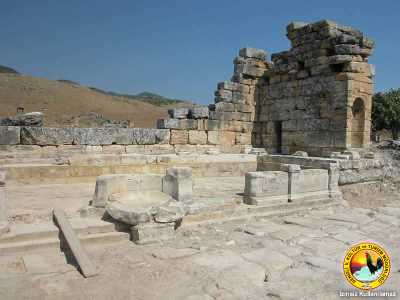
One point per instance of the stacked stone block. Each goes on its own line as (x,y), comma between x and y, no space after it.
(317,96)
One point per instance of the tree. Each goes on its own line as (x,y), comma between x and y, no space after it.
(386,112)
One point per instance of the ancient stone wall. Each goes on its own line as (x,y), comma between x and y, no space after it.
(315,97)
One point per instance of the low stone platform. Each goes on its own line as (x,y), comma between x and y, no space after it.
(85,168)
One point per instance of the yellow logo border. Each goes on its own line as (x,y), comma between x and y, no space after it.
(371,247)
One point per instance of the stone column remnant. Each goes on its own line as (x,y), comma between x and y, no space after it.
(178,183)
(292,170)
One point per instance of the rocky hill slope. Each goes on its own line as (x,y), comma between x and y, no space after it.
(66,103)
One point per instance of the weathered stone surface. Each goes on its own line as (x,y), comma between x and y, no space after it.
(149,136)
(230,116)
(102,136)
(199,112)
(312,180)
(197,137)
(179,137)
(178,113)
(177,123)
(9,135)
(265,185)
(243,138)
(226,138)
(29,119)
(145,233)
(47,136)
(106,185)
(178,183)
(213,137)
(126,214)
(253,53)
(169,212)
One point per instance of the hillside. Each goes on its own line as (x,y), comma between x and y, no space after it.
(66,103)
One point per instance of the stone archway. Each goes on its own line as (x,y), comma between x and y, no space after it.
(358,123)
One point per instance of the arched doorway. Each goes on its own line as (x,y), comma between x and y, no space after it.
(357,123)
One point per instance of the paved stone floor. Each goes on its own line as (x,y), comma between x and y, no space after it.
(292,257)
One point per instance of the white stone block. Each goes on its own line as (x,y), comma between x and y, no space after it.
(178,183)
(106,185)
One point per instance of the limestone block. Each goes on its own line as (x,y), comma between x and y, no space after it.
(334,173)
(344,49)
(113,149)
(106,185)
(228,85)
(197,137)
(47,136)
(177,124)
(199,112)
(150,136)
(309,180)
(254,182)
(102,136)
(146,233)
(158,149)
(139,149)
(253,53)
(223,96)
(230,116)
(32,119)
(213,137)
(126,214)
(227,138)
(178,113)
(179,137)
(170,212)
(9,135)
(269,184)
(245,65)
(354,155)
(243,138)
(178,183)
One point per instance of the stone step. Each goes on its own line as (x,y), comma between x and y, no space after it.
(242,211)
(47,230)
(87,240)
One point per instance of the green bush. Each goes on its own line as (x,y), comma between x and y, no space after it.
(386,111)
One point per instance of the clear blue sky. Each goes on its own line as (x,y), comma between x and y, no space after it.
(178,48)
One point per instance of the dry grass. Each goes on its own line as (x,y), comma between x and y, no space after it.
(62,102)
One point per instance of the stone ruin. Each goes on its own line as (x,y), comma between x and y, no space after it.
(312,100)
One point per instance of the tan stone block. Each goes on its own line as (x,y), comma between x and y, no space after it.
(243,138)
(213,137)
(201,124)
(159,149)
(139,149)
(179,137)
(197,137)
(185,148)
(114,149)
(227,137)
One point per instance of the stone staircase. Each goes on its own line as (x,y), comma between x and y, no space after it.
(42,236)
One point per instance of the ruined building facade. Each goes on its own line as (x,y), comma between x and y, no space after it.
(315,97)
